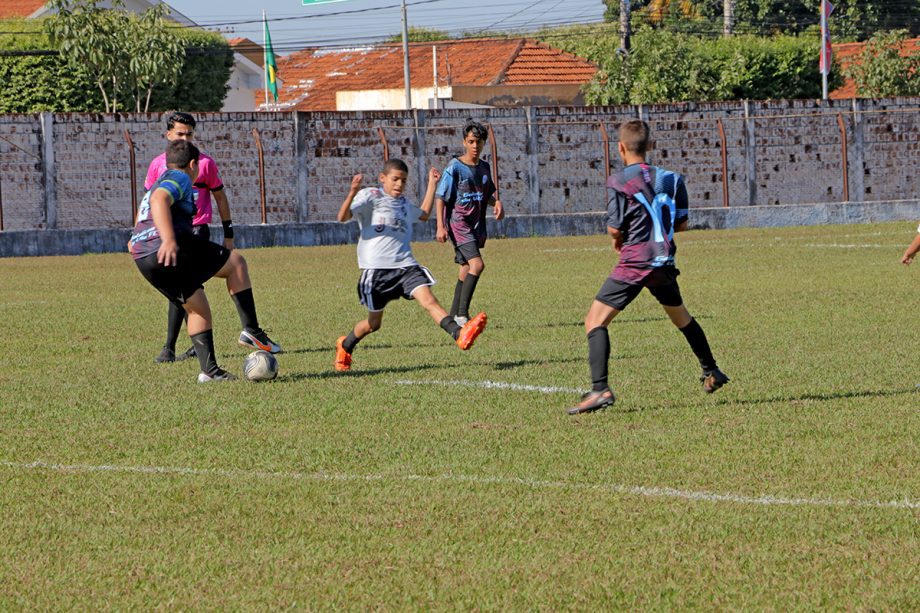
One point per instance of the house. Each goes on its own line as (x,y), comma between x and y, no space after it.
(846,53)
(466,73)
(245,77)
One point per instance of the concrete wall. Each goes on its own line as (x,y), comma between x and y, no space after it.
(76,242)
(69,171)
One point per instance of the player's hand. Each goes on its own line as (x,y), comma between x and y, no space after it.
(356,182)
(908,258)
(618,244)
(228,244)
(167,253)
(434,175)
(441,234)
(499,210)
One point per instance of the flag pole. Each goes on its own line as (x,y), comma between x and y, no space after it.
(824,67)
(265,57)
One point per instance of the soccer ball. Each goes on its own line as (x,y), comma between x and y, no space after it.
(260,366)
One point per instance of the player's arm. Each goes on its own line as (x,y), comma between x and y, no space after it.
(682,204)
(345,209)
(616,217)
(223,209)
(440,213)
(433,177)
(617,237)
(160,201)
(912,250)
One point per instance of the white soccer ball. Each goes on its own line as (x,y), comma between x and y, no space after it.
(260,366)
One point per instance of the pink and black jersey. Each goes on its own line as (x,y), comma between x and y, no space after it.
(208,181)
(146,239)
(466,192)
(645,203)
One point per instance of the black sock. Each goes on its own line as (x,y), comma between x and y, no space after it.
(450,326)
(203,343)
(174,325)
(598,356)
(466,294)
(697,339)
(458,288)
(350,341)
(246,307)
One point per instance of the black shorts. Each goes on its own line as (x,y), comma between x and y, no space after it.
(661,282)
(466,252)
(198,260)
(378,286)
(202,231)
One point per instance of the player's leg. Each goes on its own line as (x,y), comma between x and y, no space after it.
(236,273)
(668,294)
(174,318)
(474,269)
(462,272)
(199,329)
(345,345)
(416,283)
(611,299)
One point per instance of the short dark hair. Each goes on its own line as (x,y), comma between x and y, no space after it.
(179,117)
(180,153)
(634,134)
(476,129)
(394,164)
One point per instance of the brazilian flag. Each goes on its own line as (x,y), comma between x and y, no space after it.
(271,68)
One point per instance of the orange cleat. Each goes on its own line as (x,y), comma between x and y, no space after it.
(342,357)
(471,330)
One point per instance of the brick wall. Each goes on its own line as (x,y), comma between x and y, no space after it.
(551,158)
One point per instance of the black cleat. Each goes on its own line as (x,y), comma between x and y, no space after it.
(713,380)
(593,401)
(167,355)
(189,353)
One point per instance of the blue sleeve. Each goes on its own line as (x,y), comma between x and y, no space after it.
(176,184)
(447,186)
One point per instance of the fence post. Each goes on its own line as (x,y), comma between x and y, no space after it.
(859,162)
(750,154)
(843,156)
(255,134)
(1,202)
(302,214)
(131,162)
(606,138)
(724,147)
(419,118)
(49,181)
(496,176)
(533,159)
(383,140)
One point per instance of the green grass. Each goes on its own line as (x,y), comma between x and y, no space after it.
(324,491)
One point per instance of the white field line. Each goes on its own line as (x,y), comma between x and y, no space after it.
(536,484)
(496,385)
(852,245)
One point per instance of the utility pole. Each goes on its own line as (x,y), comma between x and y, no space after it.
(405,41)
(728,27)
(624,25)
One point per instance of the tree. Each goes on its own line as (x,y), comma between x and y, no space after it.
(885,68)
(420,35)
(125,55)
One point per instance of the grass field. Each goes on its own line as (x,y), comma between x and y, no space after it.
(124,484)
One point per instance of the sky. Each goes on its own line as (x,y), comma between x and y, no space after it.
(297,26)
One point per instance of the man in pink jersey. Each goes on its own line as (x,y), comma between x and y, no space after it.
(181,126)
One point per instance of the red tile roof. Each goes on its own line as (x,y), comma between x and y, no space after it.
(12,9)
(312,77)
(847,53)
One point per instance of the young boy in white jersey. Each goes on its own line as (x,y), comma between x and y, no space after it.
(388,268)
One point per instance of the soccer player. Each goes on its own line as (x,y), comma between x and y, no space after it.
(911,250)
(181,126)
(177,262)
(465,190)
(646,206)
(388,268)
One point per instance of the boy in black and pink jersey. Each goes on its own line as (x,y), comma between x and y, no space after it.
(646,206)
(465,191)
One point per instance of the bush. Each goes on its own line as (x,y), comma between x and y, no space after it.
(884,69)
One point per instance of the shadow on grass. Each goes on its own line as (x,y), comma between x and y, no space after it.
(822,397)
(578,324)
(332,374)
(520,363)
